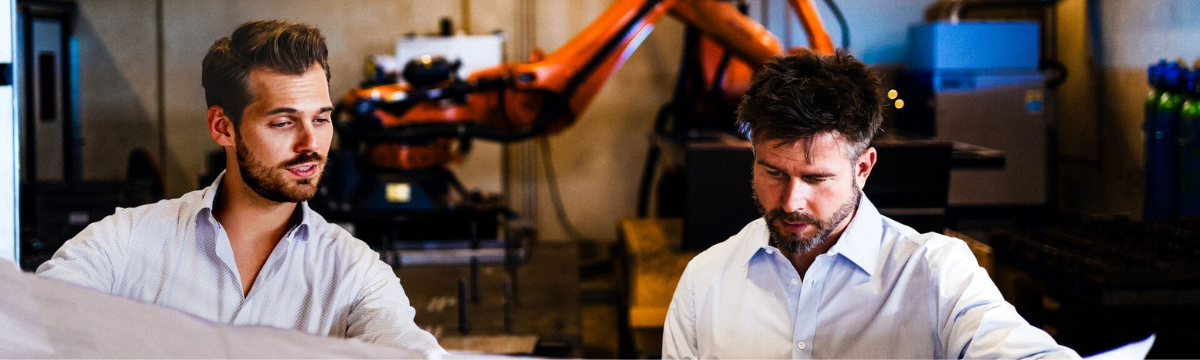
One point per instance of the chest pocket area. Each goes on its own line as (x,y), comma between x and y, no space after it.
(755,323)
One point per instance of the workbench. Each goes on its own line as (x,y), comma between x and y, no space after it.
(649,248)
(545,319)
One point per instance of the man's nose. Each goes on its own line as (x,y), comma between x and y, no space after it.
(795,197)
(306,139)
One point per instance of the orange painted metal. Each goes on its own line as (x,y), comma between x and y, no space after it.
(723,23)
(737,73)
(516,107)
(810,19)
(403,156)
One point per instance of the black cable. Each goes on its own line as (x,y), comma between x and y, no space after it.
(552,182)
(837,13)
(643,200)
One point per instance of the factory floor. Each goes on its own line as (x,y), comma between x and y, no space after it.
(567,304)
(599,298)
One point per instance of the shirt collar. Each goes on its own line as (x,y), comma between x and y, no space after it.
(303,213)
(859,243)
(758,241)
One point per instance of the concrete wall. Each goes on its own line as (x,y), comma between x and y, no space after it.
(118,108)
(598,161)
(1133,34)
(1077,115)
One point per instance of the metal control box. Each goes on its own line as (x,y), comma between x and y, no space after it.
(979,83)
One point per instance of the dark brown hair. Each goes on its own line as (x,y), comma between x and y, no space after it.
(279,46)
(799,96)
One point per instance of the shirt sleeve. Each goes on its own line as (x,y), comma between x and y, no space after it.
(382,315)
(974,319)
(91,258)
(679,331)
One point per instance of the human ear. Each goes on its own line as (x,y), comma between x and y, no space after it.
(863,166)
(220,127)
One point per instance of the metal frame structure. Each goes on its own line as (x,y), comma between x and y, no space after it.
(9,149)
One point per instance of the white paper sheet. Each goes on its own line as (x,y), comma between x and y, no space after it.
(45,318)
(24,336)
(1133,350)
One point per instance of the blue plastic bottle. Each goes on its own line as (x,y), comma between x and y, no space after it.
(1154,77)
(1162,148)
(1189,148)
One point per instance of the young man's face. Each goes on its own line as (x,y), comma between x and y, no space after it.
(805,198)
(284,137)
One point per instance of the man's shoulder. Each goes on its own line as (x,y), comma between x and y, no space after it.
(934,250)
(154,215)
(727,253)
(334,237)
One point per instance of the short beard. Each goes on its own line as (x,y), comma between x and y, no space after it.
(824,228)
(264,181)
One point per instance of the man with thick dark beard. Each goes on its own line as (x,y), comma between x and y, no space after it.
(248,250)
(823,274)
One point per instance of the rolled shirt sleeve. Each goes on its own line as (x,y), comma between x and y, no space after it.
(91,258)
(974,319)
(383,314)
(679,331)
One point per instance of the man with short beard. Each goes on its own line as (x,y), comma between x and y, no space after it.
(823,274)
(248,250)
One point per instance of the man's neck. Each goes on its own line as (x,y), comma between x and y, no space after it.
(251,217)
(802,261)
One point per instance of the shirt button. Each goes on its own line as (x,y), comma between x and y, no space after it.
(795,281)
(801,345)
(769,251)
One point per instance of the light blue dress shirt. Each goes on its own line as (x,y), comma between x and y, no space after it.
(883,291)
(319,279)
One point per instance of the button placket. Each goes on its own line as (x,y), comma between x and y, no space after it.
(810,302)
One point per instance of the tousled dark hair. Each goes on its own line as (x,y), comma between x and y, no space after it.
(280,46)
(800,96)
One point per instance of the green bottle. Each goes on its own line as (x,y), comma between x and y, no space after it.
(1154,77)
(1189,148)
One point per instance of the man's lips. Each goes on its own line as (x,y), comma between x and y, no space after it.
(304,170)
(795,227)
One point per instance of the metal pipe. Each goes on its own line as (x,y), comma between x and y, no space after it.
(957,7)
(463,324)
(508,305)
(474,262)
(474,279)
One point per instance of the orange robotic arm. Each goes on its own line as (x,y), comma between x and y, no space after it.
(409,127)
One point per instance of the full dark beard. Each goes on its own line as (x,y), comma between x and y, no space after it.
(797,244)
(270,184)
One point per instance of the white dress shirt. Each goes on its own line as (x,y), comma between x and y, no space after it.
(883,291)
(319,279)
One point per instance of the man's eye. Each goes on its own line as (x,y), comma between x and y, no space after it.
(816,180)
(281,124)
(321,121)
(774,173)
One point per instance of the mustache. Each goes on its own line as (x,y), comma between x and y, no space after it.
(305,158)
(794,217)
